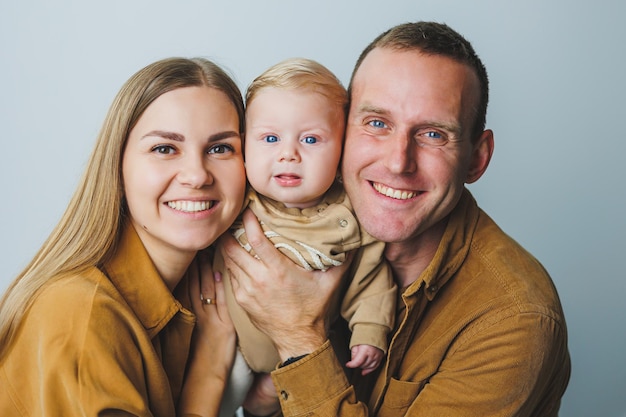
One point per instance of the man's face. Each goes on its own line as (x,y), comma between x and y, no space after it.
(408,150)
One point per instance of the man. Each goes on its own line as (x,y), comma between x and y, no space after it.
(480,330)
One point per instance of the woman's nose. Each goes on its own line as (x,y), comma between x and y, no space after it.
(195,173)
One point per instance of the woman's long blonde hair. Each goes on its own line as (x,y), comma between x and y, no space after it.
(88,232)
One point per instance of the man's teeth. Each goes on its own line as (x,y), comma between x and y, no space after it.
(190,206)
(397,194)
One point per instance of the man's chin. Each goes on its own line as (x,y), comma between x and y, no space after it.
(386,229)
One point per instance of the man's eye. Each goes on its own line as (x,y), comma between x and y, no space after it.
(270,139)
(309,140)
(433,135)
(432,138)
(221,148)
(377,123)
(163,149)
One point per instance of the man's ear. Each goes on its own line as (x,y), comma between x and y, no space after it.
(481,155)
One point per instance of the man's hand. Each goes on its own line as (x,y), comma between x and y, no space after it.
(286,302)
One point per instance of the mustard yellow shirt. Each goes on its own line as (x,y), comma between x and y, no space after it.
(480,332)
(106,342)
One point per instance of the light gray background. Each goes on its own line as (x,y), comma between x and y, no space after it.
(557,85)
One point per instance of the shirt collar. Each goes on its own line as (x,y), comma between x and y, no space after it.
(134,275)
(452,250)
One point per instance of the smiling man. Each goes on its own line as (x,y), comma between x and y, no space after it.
(479,328)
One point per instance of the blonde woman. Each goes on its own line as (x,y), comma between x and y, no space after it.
(110,316)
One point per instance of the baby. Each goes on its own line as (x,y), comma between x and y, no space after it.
(295,122)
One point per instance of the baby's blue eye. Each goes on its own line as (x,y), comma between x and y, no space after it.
(270,139)
(309,139)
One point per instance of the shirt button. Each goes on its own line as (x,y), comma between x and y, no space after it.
(343,223)
(284,395)
(433,288)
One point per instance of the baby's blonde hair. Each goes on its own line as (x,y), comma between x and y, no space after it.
(300,73)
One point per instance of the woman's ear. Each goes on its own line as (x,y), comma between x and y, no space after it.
(481,155)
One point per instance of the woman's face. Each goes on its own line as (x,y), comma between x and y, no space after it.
(183,172)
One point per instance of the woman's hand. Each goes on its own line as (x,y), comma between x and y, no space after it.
(208,302)
(213,345)
(286,302)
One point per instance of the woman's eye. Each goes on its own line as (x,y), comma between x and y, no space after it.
(309,140)
(377,123)
(221,148)
(270,139)
(164,149)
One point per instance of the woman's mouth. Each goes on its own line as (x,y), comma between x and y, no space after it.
(191,206)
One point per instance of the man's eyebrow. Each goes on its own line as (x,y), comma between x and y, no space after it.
(453,128)
(165,135)
(368,108)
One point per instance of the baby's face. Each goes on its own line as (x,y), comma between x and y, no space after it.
(293,145)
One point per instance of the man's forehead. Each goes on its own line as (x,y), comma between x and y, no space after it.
(384,67)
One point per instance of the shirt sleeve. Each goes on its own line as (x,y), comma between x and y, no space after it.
(369,304)
(512,367)
(316,385)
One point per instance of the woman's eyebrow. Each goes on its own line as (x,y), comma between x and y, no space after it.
(166,135)
(181,138)
(223,135)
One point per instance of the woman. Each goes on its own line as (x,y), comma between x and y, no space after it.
(99,322)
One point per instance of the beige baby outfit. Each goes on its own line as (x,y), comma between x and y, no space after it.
(320,237)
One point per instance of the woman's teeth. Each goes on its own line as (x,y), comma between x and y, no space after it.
(190,206)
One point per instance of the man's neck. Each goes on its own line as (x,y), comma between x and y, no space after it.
(408,259)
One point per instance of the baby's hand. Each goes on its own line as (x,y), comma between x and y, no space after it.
(365,357)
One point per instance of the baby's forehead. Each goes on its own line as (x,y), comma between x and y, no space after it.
(301,93)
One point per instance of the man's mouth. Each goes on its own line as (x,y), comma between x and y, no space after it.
(191,206)
(393,193)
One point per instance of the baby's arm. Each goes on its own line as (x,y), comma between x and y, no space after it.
(365,357)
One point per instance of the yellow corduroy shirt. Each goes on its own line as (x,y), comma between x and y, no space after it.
(102,343)
(481,332)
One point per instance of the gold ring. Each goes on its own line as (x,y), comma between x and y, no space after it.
(207,301)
